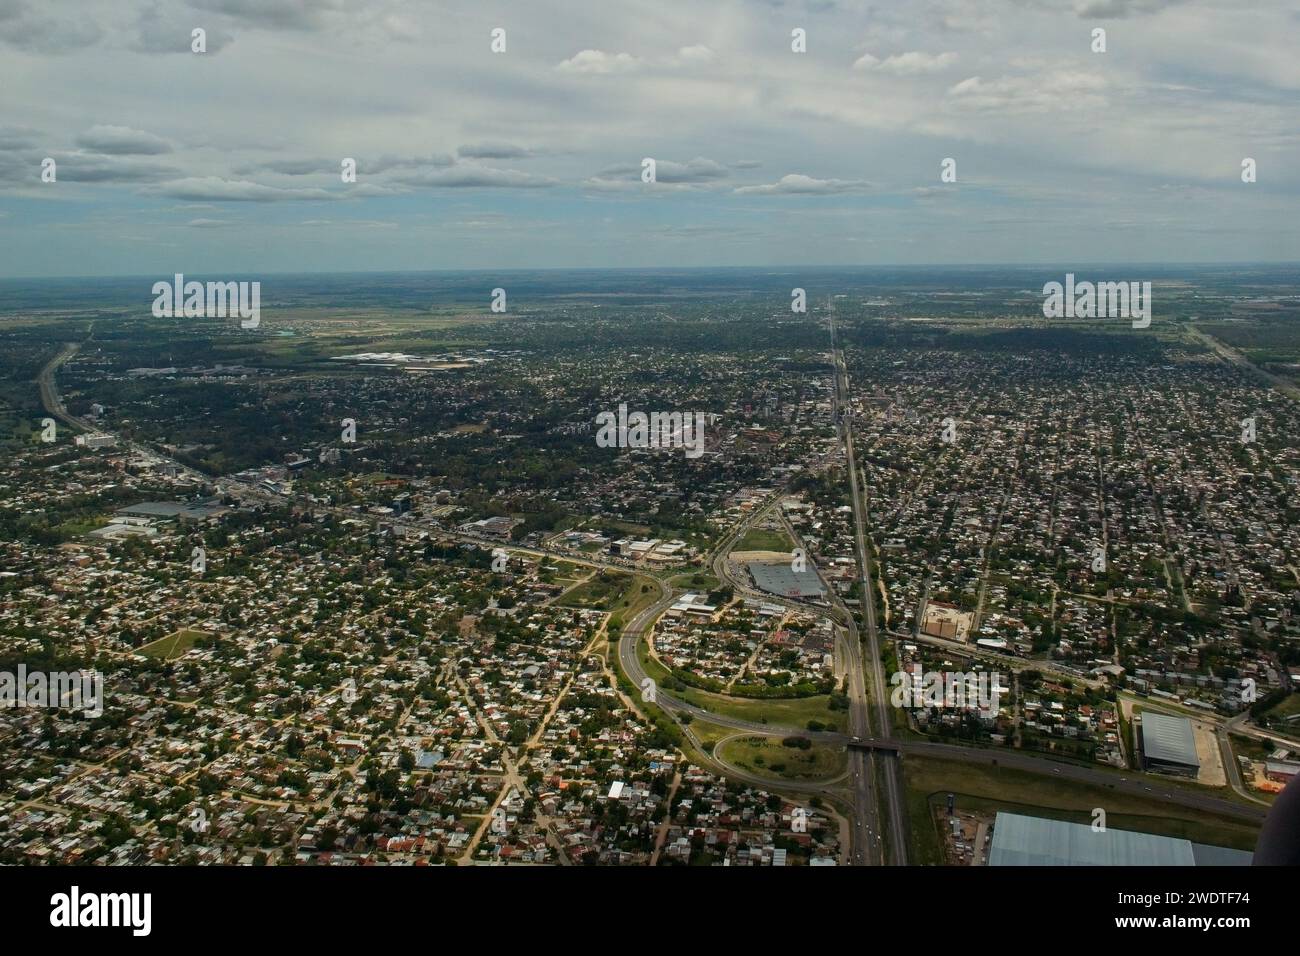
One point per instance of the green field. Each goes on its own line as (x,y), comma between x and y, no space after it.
(639,595)
(602,592)
(709,734)
(563,572)
(763,539)
(1288,706)
(623,595)
(767,755)
(695,581)
(172,646)
(788,712)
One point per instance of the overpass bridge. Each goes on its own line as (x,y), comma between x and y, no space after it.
(873,744)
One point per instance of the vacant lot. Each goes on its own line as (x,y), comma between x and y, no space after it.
(172,646)
(768,755)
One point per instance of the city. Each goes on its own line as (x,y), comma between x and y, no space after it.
(472,634)
(582,443)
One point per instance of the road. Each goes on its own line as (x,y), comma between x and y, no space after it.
(1140,785)
(50,397)
(866,846)
(865,776)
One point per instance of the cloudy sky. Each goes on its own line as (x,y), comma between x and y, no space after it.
(229,161)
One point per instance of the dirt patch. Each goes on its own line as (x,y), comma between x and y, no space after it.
(1212,773)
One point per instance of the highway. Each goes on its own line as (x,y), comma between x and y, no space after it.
(865,780)
(1138,784)
(50,397)
(866,845)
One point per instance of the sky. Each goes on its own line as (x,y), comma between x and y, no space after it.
(229,161)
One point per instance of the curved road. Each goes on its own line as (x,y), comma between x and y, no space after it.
(631,666)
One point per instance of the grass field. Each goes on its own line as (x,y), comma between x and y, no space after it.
(990,789)
(763,539)
(564,572)
(695,581)
(639,595)
(602,592)
(172,646)
(767,755)
(1287,707)
(790,712)
(709,734)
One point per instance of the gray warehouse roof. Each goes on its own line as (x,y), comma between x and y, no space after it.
(780,579)
(1033,841)
(195,510)
(1168,738)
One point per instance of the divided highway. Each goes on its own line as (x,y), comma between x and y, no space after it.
(867,844)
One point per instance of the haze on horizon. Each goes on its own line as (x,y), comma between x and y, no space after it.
(170,161)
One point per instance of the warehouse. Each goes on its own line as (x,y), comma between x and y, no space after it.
(1168,745)
(781,579)
(1033,841)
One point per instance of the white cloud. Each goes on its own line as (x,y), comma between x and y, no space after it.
(216,189)
(796,184)
(1049,91)
(599,62)
(695,54)
(906,64)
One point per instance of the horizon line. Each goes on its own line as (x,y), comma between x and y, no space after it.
(1100,263)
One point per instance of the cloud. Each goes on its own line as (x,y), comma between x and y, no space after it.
(695,54)
(495,151)
(308,15)
(697,170)
(83,167)
(599,62)
(1049,91)
(1118,9)
(18,137)
(123,141)
(934,192)
(354,223)
(384,163)
(293,167)
(32,31)
(796,184)
(216,189)
(906,64)
(472,176)
(157,31)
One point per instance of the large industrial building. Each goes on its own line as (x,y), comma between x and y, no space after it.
(1168,744)
(1033,841)
(779,578)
